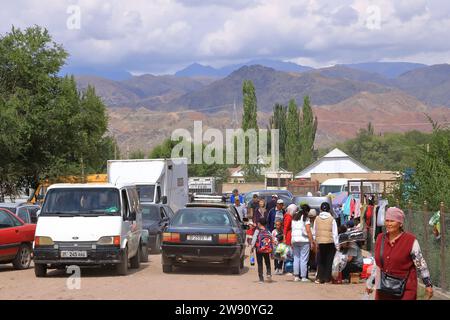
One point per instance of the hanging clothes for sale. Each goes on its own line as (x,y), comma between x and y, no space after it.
(382,205)
(357,209)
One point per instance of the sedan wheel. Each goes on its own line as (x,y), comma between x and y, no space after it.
(23,257)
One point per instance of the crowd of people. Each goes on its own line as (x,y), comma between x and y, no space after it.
(312,240)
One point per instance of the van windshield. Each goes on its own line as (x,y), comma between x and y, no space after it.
(82,201)
(146,193)
(324,190)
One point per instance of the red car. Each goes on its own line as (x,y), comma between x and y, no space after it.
(16,240)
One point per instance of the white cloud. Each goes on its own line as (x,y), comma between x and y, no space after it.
(156,35)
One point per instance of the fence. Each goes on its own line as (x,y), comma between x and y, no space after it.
(436,250)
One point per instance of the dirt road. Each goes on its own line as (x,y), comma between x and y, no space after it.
(149,282)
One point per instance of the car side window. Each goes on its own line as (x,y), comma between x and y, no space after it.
(162,212)
(125,203)
(169,212)
(6,220)
(23,214)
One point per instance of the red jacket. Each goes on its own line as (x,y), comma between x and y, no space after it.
(287,229)
(398,262)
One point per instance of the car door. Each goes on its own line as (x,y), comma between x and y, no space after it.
(165,218)
(10,237)
(239,225)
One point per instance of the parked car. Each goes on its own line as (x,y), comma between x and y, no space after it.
(16,239)
(90,224)
(314,202)
(285,195)
(205,234)
(155,218)
(25,211)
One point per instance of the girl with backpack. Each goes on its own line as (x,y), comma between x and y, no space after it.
(263,242)
(302,241)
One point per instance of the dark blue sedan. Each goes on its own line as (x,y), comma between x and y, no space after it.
(205,234)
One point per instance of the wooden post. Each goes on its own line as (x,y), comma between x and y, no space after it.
(443,249)
(426,245)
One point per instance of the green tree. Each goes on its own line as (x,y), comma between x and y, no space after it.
(55,129)
(308,129)
(137,154)
(249,121)
(278,121)
(292,149)
(431,178)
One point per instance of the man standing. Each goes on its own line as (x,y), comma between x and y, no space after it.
(276,214)
(236,194)
(241,209)
(272,203)
(253,205)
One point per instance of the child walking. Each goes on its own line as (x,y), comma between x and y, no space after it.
(277,235)
(263,242)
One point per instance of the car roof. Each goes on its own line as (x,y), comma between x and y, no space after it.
(88,185)
(208,205)
(7,205)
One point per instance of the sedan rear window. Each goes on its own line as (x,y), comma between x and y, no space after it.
(202,216)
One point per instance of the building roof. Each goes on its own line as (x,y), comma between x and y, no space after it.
(335,161)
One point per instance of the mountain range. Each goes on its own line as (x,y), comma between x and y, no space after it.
(362,91)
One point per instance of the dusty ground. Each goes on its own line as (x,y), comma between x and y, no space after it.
(149,282)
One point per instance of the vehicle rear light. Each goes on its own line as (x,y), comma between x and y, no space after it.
(227,238)
(171,237)
(43,241)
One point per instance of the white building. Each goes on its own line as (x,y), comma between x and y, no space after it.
(334,162)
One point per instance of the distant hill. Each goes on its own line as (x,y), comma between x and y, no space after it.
(196,69)
(387,69)
(346,72)
(325,86)
(146,90)
(274,86)
(393,111)
(429,84)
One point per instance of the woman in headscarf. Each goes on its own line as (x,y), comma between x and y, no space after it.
(287,230)
(398,253)
(327,239)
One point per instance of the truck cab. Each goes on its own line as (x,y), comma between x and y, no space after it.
(90,224)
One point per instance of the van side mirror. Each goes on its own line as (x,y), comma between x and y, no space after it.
(164,199)
(132,216)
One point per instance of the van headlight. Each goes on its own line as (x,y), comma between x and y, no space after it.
(109,241)
(43,241)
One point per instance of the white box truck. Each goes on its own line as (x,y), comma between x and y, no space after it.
(157,180)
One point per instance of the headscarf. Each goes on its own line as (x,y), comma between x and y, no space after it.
(291,209)
(395,214)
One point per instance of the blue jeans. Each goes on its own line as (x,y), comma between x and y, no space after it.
(301,257)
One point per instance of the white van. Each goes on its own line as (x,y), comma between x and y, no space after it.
(337,185)
(89,224)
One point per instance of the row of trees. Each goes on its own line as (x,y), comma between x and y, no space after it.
(297,132)
(47,127)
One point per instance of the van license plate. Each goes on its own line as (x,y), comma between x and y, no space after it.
(73,254)
(197,237)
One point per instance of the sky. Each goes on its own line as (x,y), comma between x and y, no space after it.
(163,36)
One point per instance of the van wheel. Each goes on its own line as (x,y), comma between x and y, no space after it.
(23,257)
(167,268)
(40,270)
(122,267)
(135,262)
(144,253)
